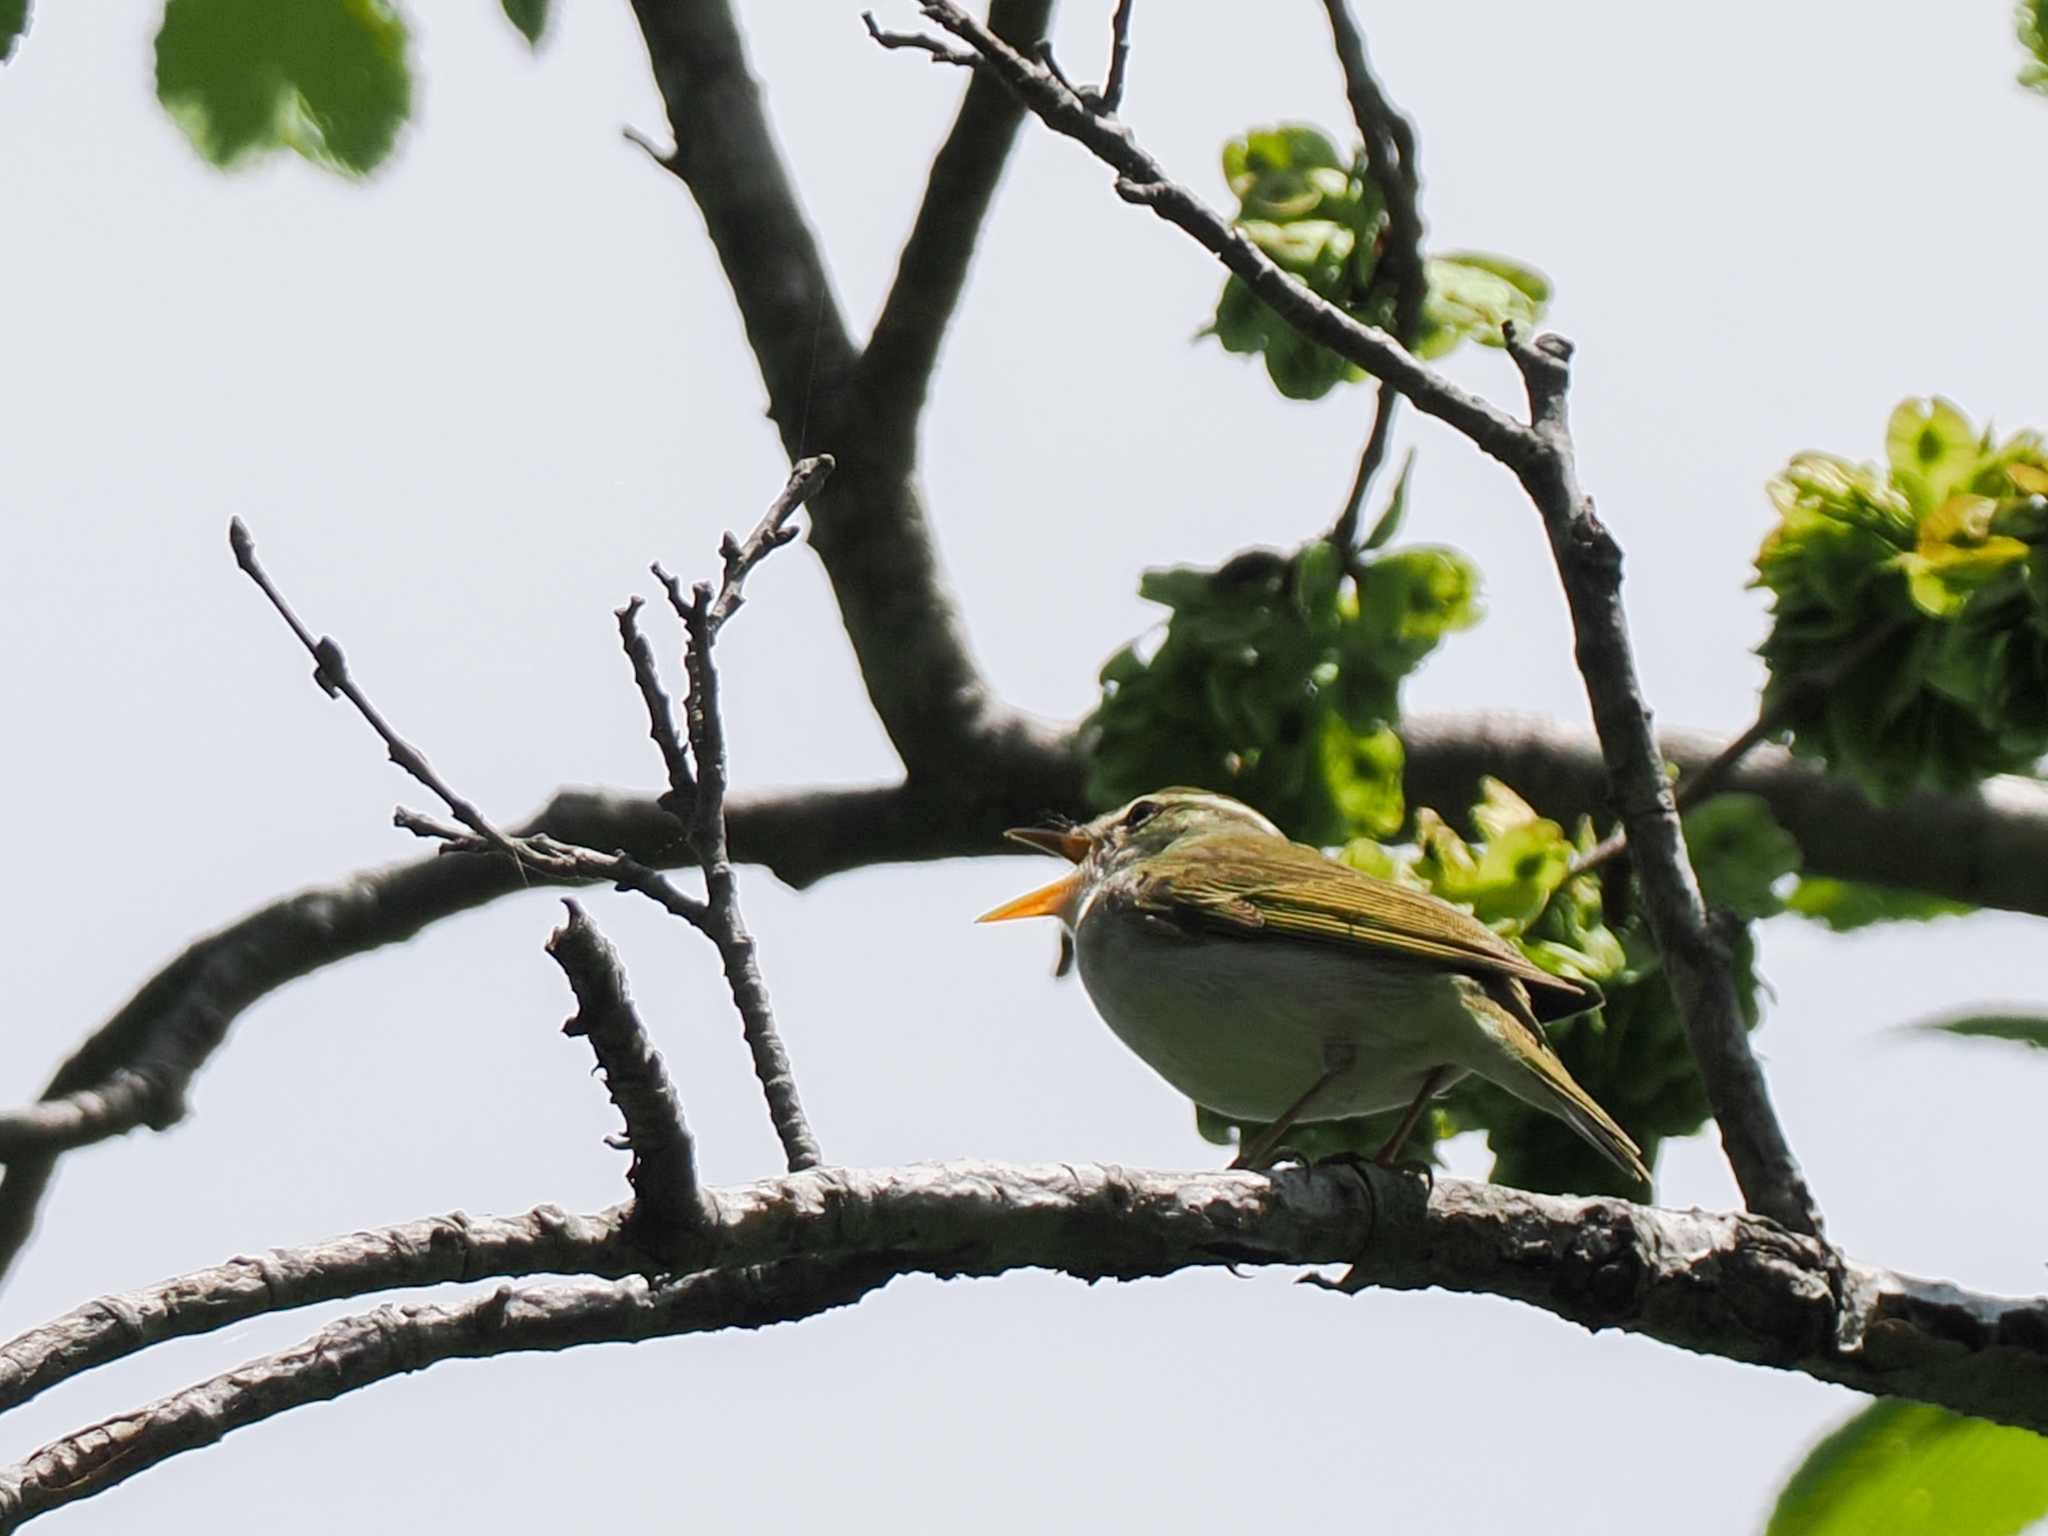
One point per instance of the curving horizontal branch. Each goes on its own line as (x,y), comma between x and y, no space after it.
(1731,1286)
(437,1250)
(392,1341)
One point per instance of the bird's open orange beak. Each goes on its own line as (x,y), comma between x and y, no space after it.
(1047,900)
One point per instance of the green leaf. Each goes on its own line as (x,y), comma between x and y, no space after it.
(1844,905)
(13,23)
(2032,18)
(1273,172)
(1740,854)
(1411,598)
(1389,524)
(1901,1468)
(1363,774)
(325,78)
(1932,450)
(2021,1028)
(1472,295)
(1318,571)
(1500,810)
(529,16)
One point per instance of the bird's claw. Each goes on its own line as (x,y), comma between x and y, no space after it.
(1352,1281)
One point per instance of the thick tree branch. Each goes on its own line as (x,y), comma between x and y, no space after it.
(726,155)
(439,1250)
(393,1341)
(1539,453)
(1724,1285)
(895,370)
(869,527)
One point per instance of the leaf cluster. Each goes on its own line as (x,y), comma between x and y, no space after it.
(1321,219)
(1277,681)
(1909,625)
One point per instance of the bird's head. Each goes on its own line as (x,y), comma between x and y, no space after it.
(1143,829)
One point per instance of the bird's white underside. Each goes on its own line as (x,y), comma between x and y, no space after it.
(1244,1026)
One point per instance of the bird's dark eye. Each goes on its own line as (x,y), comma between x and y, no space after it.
(1140,813)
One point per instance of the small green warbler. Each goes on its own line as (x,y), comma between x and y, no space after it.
(1268,982)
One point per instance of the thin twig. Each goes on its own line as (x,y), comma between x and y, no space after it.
(703,615)
(567,863)
(665,158)
(667,1199)
(1344,535)
(1143,181)
(539,855)
(1042,51)
(806,478)
(920,43)
(661,718)
(1111,96)
(330,671)
(1390,157)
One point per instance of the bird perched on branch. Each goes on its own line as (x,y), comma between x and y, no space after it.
(1270,983)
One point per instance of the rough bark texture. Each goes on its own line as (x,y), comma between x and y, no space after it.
(1727,1285)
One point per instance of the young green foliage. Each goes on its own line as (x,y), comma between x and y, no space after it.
(325,78)
(1321,219)
(1931,576)
(1278,682)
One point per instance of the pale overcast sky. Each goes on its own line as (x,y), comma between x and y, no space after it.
(463,406)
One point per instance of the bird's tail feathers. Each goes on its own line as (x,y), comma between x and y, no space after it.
(1527,1067)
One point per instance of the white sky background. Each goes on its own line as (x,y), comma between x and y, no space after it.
(463,406)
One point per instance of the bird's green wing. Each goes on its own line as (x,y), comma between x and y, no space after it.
(1250,885)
